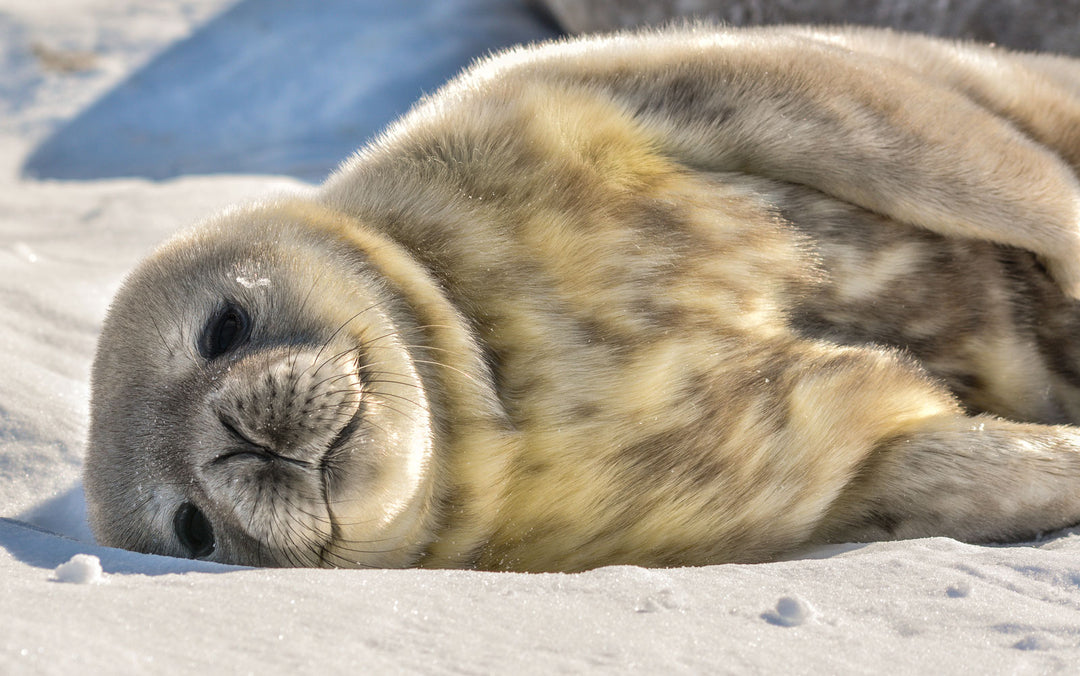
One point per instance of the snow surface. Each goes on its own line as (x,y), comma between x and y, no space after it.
(89,89)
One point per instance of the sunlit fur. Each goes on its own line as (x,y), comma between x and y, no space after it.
(670,298)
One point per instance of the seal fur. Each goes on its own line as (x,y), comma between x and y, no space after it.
(669,298)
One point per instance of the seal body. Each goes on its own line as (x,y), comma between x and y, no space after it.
(668,298)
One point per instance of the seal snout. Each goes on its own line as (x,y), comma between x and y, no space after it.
(288,405)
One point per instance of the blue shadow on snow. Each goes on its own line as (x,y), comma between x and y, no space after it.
(286,87)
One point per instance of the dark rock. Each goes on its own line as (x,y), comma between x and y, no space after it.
(1043,25)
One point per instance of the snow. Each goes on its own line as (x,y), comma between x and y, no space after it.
(104,72)
(791,611)
(80,569)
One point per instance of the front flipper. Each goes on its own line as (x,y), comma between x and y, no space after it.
(887,131)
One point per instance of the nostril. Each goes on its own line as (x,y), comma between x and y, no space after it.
(285,406)
(243,445)
(194,531)
(230,426)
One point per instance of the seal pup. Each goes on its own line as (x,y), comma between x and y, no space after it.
(670,298)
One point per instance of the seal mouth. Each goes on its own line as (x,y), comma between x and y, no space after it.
(342,437)
(336,448)
(328,471)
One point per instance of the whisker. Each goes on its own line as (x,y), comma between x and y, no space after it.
(451,368)
(339,329)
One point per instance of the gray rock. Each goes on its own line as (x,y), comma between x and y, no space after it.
(1043,25)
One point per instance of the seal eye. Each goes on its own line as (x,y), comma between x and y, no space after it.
(193,531)
(225,331)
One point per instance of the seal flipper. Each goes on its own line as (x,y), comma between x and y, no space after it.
(870,126)
(980,479)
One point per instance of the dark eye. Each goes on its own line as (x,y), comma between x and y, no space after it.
(193,531)
(228,329)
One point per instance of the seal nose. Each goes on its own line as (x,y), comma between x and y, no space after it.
(293,405)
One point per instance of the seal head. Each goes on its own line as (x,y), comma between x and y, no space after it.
(257,399)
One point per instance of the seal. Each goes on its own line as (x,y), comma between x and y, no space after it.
(678,297)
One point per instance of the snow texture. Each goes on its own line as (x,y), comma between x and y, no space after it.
(80,569)
(98,89)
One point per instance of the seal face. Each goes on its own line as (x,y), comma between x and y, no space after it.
(670,298)
(265,406)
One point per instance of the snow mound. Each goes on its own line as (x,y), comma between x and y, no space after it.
(80,569)
(791,611)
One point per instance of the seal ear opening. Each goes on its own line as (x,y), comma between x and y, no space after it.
(194,531)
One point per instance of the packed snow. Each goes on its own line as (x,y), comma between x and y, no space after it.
(125,101)
(80,569)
